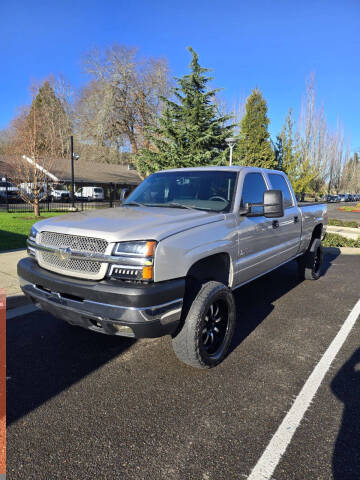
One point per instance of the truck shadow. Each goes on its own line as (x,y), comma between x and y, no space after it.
(254,301)
(46,356)
(346,387)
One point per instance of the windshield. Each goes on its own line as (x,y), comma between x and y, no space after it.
(204,190)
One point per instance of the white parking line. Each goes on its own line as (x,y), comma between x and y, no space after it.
(17,312)
(269,460)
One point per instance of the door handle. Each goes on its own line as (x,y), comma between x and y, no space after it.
(275,224)
(296,219)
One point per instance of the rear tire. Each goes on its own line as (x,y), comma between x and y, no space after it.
(309,264)
(206,335)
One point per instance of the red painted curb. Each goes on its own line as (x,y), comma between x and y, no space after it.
(2,382)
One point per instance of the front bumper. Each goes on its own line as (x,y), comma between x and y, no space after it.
(106,306)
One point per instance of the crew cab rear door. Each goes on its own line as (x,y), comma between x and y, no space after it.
(288,230)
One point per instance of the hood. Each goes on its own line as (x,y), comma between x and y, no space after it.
(129,223)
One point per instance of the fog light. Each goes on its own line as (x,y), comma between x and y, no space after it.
(123,330)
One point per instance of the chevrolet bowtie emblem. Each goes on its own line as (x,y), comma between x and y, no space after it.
(64,253)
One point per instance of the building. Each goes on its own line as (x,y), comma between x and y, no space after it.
(85,173)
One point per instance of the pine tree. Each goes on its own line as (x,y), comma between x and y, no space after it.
(254,146)
(190,132)
(55,128)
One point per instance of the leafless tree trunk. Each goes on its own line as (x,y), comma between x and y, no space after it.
(123,99)
(33,148)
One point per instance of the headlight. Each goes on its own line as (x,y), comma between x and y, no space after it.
(136,261)
(32,234)
(32,237)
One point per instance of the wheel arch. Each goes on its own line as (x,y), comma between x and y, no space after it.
(217,267)
(317,232)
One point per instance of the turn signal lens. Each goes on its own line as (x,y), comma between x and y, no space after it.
(147,273)
(149,249)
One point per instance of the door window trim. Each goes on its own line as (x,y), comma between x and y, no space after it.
(280,174)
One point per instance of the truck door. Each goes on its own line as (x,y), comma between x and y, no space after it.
(288,231)
(257,245)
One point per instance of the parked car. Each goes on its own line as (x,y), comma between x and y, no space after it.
(58,192)
(8,192)
(332,198)
(90,194)
(169,259)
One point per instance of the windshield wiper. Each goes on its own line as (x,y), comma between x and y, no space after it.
(181,205)
(178,205)
(167,205)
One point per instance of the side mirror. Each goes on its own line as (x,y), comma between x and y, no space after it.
(273,204)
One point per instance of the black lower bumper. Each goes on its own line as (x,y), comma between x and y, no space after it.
(107,306)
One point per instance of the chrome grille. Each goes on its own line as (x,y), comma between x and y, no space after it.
(72,267)
(75,242)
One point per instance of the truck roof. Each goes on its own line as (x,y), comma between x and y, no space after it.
(233,168)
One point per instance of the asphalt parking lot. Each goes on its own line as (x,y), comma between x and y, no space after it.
(334,212)
(83,405)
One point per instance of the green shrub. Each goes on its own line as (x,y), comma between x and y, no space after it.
(341,223)
(334,240)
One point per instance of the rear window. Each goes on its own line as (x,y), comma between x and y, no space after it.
(278,182)
(98,190)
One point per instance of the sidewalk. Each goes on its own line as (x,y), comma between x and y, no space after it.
(8,277)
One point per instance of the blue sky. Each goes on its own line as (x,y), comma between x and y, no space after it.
(270,44)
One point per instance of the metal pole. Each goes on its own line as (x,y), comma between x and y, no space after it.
(7,195)
(72,171)
(231,149)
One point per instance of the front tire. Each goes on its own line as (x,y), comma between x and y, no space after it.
(310,263)
(206,335)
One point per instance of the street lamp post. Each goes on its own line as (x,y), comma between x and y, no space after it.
(231,141)
(73,157)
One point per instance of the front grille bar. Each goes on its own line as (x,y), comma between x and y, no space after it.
(67,254)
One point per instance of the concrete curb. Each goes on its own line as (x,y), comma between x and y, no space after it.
(346,232)
(343,250)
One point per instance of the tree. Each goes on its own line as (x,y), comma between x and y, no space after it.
(191,132)
(53,136)
(289,157)
(350,179)
(38,135)
(254,146)
(122,99)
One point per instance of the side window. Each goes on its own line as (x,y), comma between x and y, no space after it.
(253,190)
(278,182)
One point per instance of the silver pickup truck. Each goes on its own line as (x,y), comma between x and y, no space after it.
(168,260)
